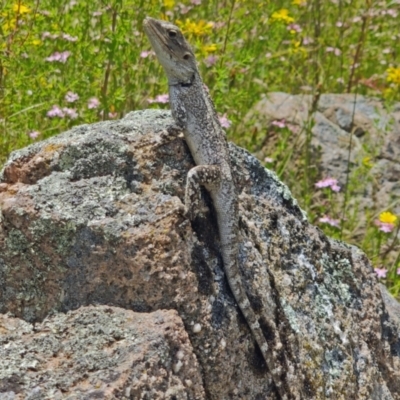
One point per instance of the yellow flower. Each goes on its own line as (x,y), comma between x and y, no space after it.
(9,25)
(44,83)
(36,42)
(367,162)
(169,3)
(195,28)
(388,93)
(299,2)
(282,15)
(297,48)
(387,217)
(393,75)
(209,48)
(21,9)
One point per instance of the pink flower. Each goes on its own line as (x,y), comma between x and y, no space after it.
(268,160)
(294,27)
(328,182)
(398,271)
(145,53)
(55,112)
(381,272)
(71,113)
(93,103)
(69,38)
(112,115)
(70,97)
(210,61)
(46,35)
(196,2)
(307,40)
(33,134)
(61,57)
(293,128)
(224,121)
(329,221)
(391,12)
(386,227)
(335,188)
(279,123)
(161,98)
(334,50)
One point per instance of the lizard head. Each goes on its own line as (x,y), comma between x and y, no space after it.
(172,50)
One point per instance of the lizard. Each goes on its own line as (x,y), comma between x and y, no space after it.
(194,113)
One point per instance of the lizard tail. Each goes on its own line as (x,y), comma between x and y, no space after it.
(230,259)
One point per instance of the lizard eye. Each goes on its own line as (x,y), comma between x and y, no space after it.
(186,56)
(171,33)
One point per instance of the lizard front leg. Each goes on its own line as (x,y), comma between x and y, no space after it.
(202,175)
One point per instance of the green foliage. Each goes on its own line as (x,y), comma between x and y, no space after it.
(67,63)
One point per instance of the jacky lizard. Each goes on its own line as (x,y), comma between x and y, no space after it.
(193,111)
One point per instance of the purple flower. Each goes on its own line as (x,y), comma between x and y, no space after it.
(71,113)
(386,227)
(161,98)
(70,97)
(210,61)
(224,121)
(279,123)
(398,271)
(328,182)
(57,56)
(93,103)
(329,221)
(33,134)
(55,112)
(381,272)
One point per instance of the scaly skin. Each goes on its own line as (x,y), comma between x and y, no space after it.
(193,111)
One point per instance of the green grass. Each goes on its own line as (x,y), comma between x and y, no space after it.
(245,49)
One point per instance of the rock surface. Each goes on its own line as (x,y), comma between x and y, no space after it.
(98,353)
(94,216)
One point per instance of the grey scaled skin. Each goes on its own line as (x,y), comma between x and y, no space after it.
(193,111)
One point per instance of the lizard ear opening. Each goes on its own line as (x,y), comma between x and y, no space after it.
(186,56)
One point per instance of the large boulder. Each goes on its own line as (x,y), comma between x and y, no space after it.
(94,217)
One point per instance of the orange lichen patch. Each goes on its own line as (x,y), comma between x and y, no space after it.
(30,169)
(52,147)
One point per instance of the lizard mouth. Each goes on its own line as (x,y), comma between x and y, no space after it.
(151,29)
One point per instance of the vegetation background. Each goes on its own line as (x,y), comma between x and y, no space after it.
(64,63)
